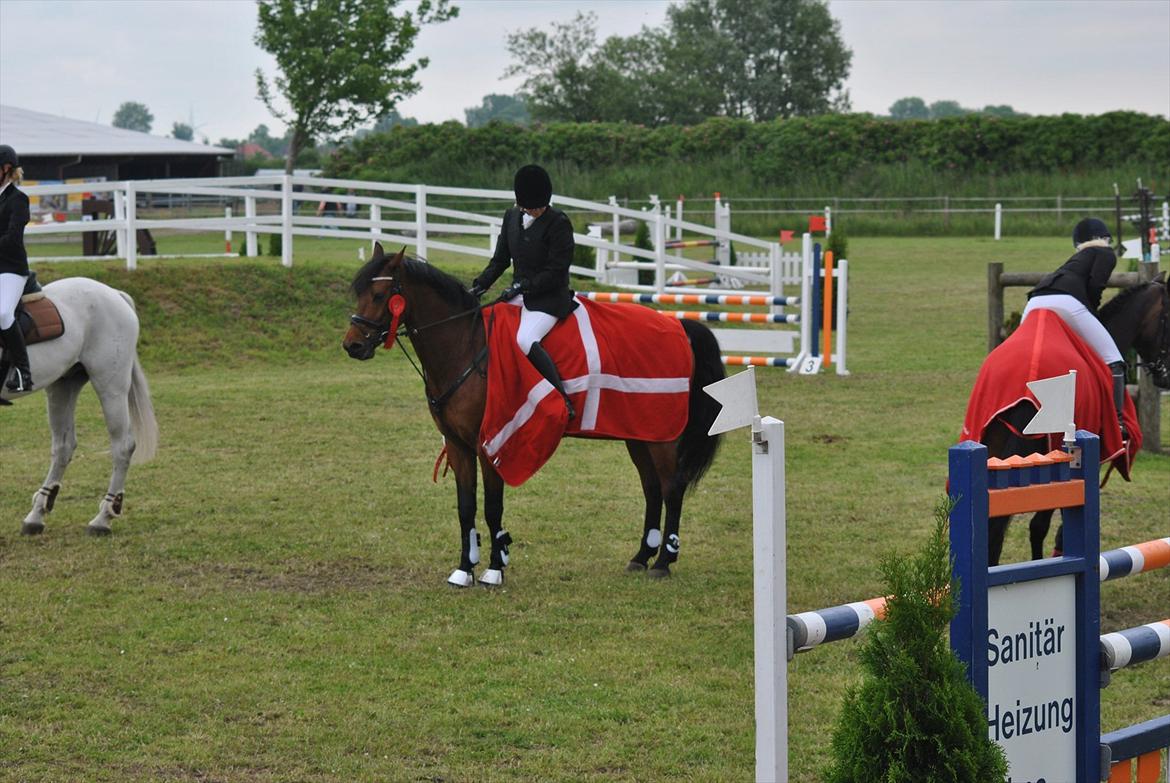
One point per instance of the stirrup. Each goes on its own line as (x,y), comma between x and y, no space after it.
(21,381)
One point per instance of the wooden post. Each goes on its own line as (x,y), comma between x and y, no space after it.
(1149,396)
(994,305)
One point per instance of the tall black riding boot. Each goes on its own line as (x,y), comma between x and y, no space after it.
(1117,370)
(544,363)
(17,355)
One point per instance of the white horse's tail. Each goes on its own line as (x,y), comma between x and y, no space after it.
(141,408)
(142,416)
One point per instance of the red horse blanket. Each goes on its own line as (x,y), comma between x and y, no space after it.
(1043,347)
(626,368)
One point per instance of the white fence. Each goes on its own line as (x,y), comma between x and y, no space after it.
(405,214)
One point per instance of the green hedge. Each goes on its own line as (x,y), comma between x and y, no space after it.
(832,148)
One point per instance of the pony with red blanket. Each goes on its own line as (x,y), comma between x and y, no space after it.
(1043,346)
(632,374)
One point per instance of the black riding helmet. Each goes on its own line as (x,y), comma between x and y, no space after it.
(8,156)
(1089,229)
(533,187)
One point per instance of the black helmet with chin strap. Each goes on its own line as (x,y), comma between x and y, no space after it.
(8,156)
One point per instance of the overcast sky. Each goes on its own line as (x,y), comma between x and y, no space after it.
(195,59)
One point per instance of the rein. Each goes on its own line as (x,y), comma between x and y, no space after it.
(386,334)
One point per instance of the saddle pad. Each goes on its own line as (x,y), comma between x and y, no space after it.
(1043,347)
(626,368)
(40,320)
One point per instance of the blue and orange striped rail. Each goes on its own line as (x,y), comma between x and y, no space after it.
(1147,642)
(742,300)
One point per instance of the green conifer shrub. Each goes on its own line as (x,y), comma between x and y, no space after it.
(642,242)
(915,718)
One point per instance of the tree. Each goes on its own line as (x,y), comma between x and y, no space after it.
(132,115)
(914,716)
(340,61)
(503,108)
(392,119)
(737,58)
(909,109)
(1003,110)
(262,137)
(181,130)
(761,58)
(941,109)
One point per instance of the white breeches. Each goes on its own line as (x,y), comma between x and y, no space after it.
(534,325)
(11,287)
(1080,320)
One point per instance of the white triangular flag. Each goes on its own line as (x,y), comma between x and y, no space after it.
(737,395)
(1057,397)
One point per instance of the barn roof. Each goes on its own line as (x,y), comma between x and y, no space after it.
(32,133)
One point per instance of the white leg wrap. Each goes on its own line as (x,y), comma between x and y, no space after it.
(493,577)
(473,546)
(654,538)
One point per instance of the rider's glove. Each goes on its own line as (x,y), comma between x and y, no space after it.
(512,291)
(476,289)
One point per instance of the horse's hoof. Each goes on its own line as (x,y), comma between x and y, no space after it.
(634,567)
(98,530)
(493,577)
(32,528)
(461,578)
(659,572)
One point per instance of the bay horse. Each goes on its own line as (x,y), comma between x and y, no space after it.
(445,326)
(1139,318)
(99,346)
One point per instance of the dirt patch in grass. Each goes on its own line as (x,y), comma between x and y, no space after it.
(315,578)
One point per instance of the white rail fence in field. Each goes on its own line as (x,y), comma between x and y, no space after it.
(405,214)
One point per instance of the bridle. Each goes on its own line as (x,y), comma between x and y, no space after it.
(386,333)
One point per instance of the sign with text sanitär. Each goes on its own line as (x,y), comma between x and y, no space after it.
(1032,661)
(1029,632)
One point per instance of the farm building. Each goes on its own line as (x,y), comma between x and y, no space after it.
(60,149)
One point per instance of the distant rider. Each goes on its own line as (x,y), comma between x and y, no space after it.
(1074,292)
(13,268)
(539,240)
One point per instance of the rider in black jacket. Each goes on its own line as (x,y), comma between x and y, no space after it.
(538,240)
(1074,292)
(13,268)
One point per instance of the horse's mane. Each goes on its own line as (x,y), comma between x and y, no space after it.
(1121,301)
(449,288)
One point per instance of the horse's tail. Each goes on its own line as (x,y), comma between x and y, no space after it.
(696,449)
(141,407)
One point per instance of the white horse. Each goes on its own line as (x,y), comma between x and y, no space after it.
(100,345)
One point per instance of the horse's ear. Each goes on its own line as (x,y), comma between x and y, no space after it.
(377,252)
(396,261)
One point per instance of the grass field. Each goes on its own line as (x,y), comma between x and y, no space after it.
(272,606)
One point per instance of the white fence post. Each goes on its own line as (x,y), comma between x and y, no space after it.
(769,564)
(842,299)
(678,211)
(375,220)
(131,227)
(420,222)
(659,249)
(250,235)
(806,309)
(775,275)
(120,216)
(828,221)
(617,228)
(723,223)
(286,221)
(998,219)
(227,233)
